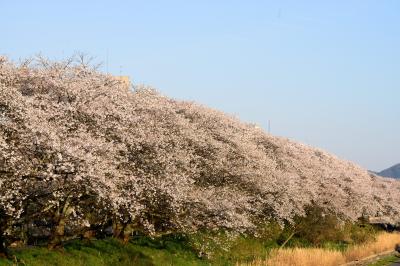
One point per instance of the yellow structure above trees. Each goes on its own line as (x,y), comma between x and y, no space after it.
(125,79)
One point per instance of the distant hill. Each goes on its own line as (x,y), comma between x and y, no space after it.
(393,172)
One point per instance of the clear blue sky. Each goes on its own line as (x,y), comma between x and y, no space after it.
(326,73)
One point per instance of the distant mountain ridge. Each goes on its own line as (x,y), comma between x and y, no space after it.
(393,172)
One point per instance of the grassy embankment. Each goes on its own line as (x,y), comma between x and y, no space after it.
(317,238)
(329,257)
(175,250)
(353,241)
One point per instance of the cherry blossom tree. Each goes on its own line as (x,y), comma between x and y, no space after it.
(80,151)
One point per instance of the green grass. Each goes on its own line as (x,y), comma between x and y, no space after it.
(385,261)
(107,252)
(166,250)
(198,249)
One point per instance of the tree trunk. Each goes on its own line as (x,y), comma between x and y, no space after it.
(3,226)
(3,249)
(127,233)
(118,230)
(24,234)
(58,234)
(123,231)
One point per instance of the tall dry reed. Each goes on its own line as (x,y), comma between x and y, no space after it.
(326,257)
(383,242)
(302,257)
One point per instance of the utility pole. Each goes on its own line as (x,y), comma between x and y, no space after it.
(269,126)
(107,61)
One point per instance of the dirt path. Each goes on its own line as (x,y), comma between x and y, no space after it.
(396,263)
(372,259)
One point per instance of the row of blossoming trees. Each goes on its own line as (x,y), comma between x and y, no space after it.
(80,152)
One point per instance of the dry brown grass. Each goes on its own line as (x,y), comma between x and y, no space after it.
(383,242)
(319,256)
(302,257)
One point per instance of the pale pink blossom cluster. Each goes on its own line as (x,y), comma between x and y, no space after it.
(78,149)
